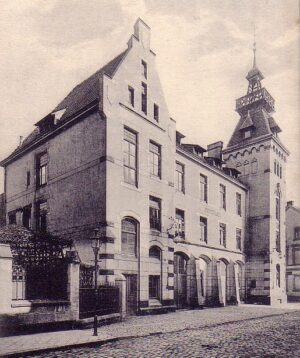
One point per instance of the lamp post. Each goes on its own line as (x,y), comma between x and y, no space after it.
(96,247)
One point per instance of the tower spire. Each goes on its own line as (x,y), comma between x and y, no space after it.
(254,48)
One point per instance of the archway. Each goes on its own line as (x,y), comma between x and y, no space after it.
(203,277)
(240,280)
(180,279)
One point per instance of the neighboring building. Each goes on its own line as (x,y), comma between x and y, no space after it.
(172,220)
(2,209)
(293,251)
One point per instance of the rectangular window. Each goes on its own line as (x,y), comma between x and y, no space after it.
(131,95)
(26,217)
(239,204)
(203,229)
(155,159)
(28,178)
(223,235)
(41,169)
(179,179)
(222,196)
(179,224)
(154,287)
(239,239)
(296,254)
(297,233)
(130,157)
(155,213)
(12,218)
(278,248)
(41,216)
(277,209)
(156,112)
(296,283)
(203,188)
(144,69)
(144,98)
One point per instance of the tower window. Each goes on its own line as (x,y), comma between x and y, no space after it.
(247,134)
(131,95)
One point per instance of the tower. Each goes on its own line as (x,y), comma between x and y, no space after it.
(256,151)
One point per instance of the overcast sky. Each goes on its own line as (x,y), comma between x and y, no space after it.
(203,47)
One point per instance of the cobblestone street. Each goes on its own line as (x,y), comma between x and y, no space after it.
(275,336)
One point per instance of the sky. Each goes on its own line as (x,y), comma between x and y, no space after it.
(204,51)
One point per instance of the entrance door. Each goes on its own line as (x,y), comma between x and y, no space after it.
(180,280)
(131,294)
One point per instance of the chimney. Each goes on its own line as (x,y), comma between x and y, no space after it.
(142,32)
(214,150)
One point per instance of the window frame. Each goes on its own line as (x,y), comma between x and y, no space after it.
(154,285)
(179,183)
(144,69)
(180,223)
(238,202)
(131,95)
(41,170)
(222,194)
(157,217)
(154,154)
(203,224)
(144,100)
(204,186)
(125,247)
(41,216)
(127,145)
(156,112)
(238,237)
(222,234)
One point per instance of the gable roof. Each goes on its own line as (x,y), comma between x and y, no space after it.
(80,97)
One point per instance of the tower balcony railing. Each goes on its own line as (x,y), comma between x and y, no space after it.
(243,103)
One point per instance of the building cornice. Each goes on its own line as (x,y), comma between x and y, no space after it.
(215,170)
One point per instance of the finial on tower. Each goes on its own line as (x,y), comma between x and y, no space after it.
(254,48)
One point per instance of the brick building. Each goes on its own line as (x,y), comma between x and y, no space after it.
(182,224)
(293,251)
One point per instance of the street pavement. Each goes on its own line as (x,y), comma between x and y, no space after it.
(244,331)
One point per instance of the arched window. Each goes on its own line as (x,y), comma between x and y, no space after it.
(129,236)
(278,275)
(155,252)
(254,166)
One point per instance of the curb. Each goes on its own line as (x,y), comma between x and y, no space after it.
(101,342)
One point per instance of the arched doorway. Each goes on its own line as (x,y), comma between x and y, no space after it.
(203,280)
(180,279)
(240,280)
(223,281)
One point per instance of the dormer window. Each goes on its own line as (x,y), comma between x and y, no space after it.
(247,134)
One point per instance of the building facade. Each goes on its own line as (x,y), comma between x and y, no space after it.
(293,252)
(183,227)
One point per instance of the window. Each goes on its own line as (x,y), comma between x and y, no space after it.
(179,179)
(239,239)
(144,98)
(297,233)
(254,166)
(247,134)
(41,218)
(41,167)
(12,218)
(131,95)
(296,255)
(154,287)
(155,252)
(278,248)
(275,167)
(18,282)
(155,159)
(280,171)
(130,157)
(277,275)
(203,188)
(26,218)
(155,213)
(277,209)
(156,112)
(179,224)
(222,196)
(144,69)
(28,178)
(129,237)
(238,199)
(296,283)
(223,235)
(203,229)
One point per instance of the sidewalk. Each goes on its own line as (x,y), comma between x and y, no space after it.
(137,327)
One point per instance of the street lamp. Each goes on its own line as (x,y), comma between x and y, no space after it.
(95,239)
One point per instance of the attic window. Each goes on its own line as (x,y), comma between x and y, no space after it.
(247,134)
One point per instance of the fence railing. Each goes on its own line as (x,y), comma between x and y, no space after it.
(103,301)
